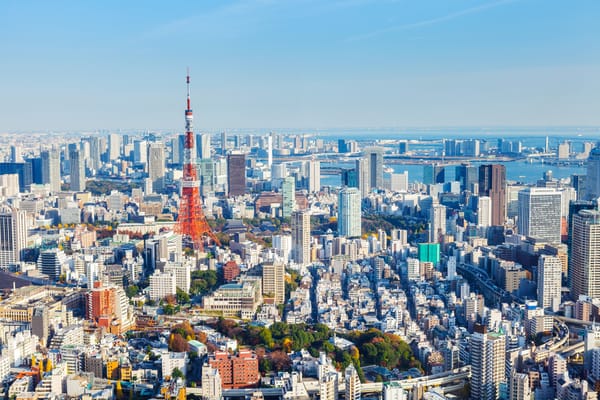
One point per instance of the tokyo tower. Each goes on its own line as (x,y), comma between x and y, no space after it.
(191,222)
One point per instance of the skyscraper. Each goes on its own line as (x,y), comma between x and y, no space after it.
(77,171)
(437,221)
(223,143)
(585,254)
(156,165)
(114,146)
(540,214)
(51,169)
(236,174)
(349,213)
(203,146)
(362,176)
(301,237)
(314,176)
(549,282)
(492,183)
(288,196)
(95,151)
(488,355)
(374,156)
(13,236)
(592,180)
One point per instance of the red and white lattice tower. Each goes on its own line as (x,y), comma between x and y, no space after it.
(191,222)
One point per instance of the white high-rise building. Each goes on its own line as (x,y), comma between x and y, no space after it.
(282,244)
(540,214)
(585,254)
(413,268)
(399,182)
(301,237)
(549,282)
(314,176)
(349,213)
(352,383)
(211,383)
(182,272)
(484,211)
(437,219)
(270,150)
(114,146)
(140,151)
(13,236)
(488,355)
(203,146)
(519,388)
(162,284)
(328,386)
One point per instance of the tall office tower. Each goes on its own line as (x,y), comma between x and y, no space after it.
(50,263)
(492,183)
(540,214)
(301,237)
(177,145)
(363,176)
(352,383)
(314,176)
(288,196)
(592,181)
(519,388)
(468,176)
(51,169)
(223,143)
(270,150)
(24,170)
(374,157)
(349,213)
(484,211)
(488,356)
(16,153)
(191,221)
(156,165)
(95,152)
(437,221)
(273,281)
(140,151)
(549,282)
(236,174)
(114,146)
(585,254)
(578,181)
(206,169)
(77,171)
(434,173)
(203,146)
(13,236)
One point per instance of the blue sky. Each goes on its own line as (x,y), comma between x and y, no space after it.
(69,65)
